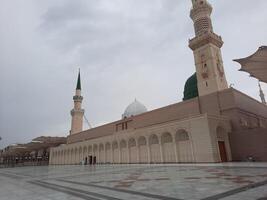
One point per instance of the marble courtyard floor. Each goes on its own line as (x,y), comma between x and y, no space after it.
(244,181)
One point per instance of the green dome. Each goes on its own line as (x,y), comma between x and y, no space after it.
(190,88)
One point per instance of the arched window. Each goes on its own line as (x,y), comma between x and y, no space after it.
(95,148)
(166,138)
(84,150)
(90,149)
(101,147)
(115,145)
(132,143)
(123,144)
(181,135)
(108,146)
(153,139)
(141,141)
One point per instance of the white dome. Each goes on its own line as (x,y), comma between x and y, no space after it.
(133,109)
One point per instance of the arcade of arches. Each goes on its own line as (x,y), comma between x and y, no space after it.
(176,145)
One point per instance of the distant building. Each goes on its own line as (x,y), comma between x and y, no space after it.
(32,153)
(214,123)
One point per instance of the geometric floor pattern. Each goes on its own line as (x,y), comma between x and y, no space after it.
(231,181)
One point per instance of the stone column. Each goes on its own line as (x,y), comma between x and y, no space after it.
(105,154)
(175,151)
(148,153)
(119,154)
(82,154)
(138,154)
(98,155)
(112,155)
(161,153)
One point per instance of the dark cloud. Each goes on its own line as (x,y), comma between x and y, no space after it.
(126,49)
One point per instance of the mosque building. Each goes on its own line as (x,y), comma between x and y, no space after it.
(213,123)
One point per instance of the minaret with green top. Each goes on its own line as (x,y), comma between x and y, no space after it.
(77,112)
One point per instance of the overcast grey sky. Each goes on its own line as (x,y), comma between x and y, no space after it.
(126,49)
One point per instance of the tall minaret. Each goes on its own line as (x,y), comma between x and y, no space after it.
(262,96)
(77,112)
(206,46)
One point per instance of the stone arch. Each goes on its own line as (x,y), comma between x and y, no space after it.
(96,152)
(123,144)
(141,141)
(108,146)
(131,142)
(115,145)
(153,139)
(84,150)
(90,150)
(154,147)
(166,138)
(108,153)
(95,149)
(143,150)
(181,135)
(168,149)
(101,147)
(116,152)
(101,153)
(133,151)
(124,151)
(184,146)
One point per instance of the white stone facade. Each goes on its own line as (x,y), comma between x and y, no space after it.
(185,141)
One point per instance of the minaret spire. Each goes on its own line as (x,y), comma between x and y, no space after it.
(206,46)
(78,87)
(77,112)
(262,96)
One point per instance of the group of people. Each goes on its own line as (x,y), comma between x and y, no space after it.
(90,160)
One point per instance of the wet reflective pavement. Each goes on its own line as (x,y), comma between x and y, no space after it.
(245,181)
